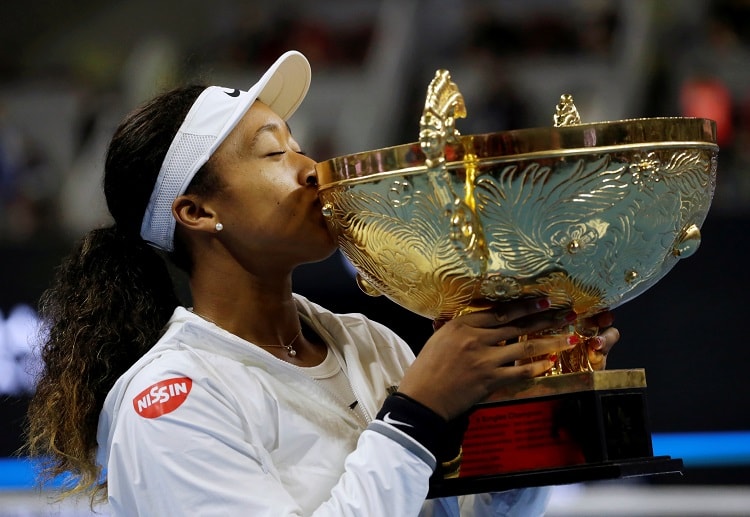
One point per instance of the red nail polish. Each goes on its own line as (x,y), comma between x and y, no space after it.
(543,303)
(571,317)
(573,339)
(553,358)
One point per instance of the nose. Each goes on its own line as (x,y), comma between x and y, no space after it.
(310,175)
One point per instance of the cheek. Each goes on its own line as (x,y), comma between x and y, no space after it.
(267,204)
(263,192)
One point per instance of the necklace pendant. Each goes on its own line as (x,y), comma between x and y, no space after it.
(291,352)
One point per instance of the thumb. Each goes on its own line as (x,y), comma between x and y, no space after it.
(436,324)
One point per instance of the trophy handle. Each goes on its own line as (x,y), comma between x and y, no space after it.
(444,103)
(437,127)
(566,113)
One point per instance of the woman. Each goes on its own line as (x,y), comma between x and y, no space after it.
(255,401)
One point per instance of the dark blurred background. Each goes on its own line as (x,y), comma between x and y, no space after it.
(70,70)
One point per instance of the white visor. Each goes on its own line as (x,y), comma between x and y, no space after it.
(212,117)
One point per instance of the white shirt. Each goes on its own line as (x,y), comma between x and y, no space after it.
(205,423)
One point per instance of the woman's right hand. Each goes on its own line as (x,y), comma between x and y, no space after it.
(463,362)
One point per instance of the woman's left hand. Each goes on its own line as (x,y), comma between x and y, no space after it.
(600,345)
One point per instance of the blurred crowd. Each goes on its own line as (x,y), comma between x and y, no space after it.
(18,362)
(55,121)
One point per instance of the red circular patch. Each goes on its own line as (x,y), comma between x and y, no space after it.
(163,397)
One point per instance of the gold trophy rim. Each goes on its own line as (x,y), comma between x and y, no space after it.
(516,144)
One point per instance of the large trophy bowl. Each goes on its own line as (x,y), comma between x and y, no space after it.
(589,214)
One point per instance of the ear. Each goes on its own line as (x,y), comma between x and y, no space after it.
(193,213)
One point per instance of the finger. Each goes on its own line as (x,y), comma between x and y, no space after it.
(508,374)
(592,324)
(604,342)
(526,326)
(506,312)
(535,347)
(509,311)
(600,346)
(597,359)
(529,325)
(604,319)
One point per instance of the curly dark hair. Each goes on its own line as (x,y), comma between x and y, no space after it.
(109,301)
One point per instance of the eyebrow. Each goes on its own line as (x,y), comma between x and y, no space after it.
(271,127)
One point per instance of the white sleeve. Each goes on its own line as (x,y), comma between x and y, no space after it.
(522,502)
(196,461)
(381,477)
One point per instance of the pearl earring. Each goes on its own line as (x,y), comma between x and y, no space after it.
(219,227)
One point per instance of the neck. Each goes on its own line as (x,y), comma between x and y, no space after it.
(256,307)
(254,302)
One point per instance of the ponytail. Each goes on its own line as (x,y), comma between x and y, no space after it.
(108,304)
(109,301)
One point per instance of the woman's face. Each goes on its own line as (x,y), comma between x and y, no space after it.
(268,204)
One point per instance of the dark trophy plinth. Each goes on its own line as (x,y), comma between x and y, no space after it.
(555,430)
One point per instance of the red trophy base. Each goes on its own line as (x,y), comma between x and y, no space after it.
(557,430)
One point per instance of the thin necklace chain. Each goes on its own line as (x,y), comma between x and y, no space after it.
(291,352)
(289,347)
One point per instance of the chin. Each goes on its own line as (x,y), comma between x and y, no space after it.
(321,250)
(329,251)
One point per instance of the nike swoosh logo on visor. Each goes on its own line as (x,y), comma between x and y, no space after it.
(234,93)
(388,420)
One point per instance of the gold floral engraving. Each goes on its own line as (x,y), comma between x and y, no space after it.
(591,215)
(577,229)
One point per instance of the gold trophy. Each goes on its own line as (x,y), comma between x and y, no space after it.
(590,215)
